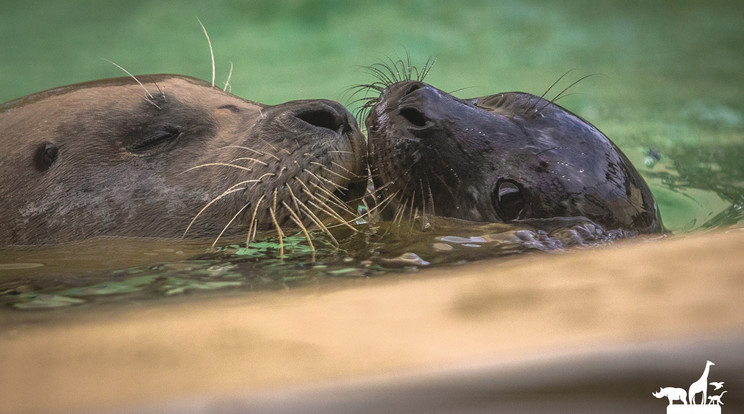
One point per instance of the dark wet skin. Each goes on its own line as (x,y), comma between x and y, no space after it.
(509,157)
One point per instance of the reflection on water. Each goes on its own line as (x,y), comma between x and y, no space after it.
(375,250)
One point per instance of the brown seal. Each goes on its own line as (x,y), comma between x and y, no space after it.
(510,157)
(160,154)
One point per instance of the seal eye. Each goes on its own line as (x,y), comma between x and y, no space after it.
(45,156)
(152,140)
(508,199)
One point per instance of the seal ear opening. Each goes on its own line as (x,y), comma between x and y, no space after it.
(46,155)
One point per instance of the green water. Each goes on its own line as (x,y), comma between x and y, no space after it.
(669,88)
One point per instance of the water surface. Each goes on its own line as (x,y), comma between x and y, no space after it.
(668,90)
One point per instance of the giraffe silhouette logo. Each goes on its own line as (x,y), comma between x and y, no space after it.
(696,398)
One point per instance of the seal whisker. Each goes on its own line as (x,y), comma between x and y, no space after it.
(149,95)
(248,159)
(382,204)
(324,168)
(279,232)
(565,96)
(355,90)
(320,205)
(211,51)
(413,199)
(312,216)
(281,171)
(218,164)
(333,199)
(322,179)
(260,179)
(413,219)
(532,107)
(445,184)
(399,211)
(214,200)
(162,92)
(427,68)
(242,147)
(299,224)
(411,68)
(273,148)
(431,198)
(564,90)
(394,65)
(381,75)
(334,163)
(230,223)
(253,227)
(227,82)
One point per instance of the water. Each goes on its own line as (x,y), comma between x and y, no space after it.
(669,92)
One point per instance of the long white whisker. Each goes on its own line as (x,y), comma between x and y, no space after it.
(229,75)
(219,164)
(302,227)
(229,223)
(149,95)
(211,51)
(251,229)
(207,206)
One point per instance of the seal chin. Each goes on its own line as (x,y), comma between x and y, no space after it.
(497,158)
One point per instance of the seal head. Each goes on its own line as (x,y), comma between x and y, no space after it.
(107,158)
(509,157)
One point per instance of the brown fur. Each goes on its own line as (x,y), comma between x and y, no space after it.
(107,158)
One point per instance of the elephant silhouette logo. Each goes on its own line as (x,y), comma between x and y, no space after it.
(695,399)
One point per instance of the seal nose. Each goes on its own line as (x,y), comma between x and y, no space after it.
(331,115)
(416,103)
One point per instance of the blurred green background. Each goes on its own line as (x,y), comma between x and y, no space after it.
(672,72)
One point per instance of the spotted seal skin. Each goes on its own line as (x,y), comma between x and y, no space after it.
(509,157)
(107,158)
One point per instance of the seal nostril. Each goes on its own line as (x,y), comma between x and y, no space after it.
(413,116)
(321,119)
(412,88)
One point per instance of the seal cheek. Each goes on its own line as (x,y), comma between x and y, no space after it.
(46,154)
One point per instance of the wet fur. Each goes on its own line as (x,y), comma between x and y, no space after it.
(107,180)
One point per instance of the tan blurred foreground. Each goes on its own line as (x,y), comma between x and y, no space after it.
(635,292)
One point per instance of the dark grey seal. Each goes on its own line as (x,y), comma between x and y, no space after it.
(511,157)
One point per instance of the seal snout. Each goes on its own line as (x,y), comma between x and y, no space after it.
(414,103)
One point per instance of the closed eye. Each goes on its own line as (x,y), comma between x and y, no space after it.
(155,139)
